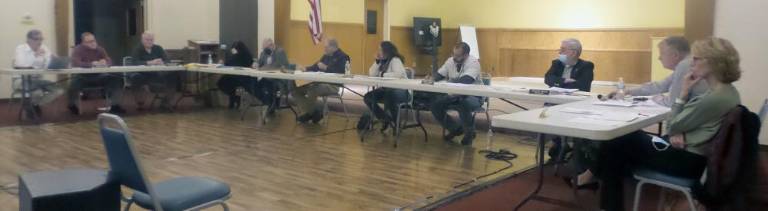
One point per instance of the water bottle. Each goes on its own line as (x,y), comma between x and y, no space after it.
(210,58)
(347,69)
(620,89)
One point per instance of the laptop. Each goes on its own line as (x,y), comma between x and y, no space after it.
(58,63)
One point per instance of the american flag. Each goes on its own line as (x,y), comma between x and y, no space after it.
(315,21)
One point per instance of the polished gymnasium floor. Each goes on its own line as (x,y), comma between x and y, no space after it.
(278,166)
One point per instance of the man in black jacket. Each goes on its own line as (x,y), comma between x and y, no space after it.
(333,61)
(568,70)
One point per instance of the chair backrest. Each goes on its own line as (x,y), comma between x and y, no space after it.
(125,167)
(764,111)
(409,73)
(486,78)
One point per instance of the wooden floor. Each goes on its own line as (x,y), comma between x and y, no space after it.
(278,166)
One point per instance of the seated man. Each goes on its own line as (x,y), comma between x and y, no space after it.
(571,72)
(271,57)
(674,54)
(35,55)
(150,54)
(333,61)
(568,70)
(461,68)
(89,54)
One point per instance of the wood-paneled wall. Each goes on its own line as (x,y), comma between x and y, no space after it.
(300,49)
(510,52)
(504,52)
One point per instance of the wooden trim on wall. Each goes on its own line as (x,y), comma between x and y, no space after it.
(699,19)
(61,9)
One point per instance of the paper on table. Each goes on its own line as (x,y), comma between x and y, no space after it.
(562,90)
(602,115)
(581,120)
(614,103)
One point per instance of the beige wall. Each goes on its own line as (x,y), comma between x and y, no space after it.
(543,13)
(15,28)
(176,21)
(336,11)
(266,20)
(743,23)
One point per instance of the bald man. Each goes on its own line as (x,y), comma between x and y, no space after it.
(163,82)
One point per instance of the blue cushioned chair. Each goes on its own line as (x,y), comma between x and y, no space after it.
(181,193)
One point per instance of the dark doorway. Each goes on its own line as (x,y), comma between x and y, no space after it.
(117,24)
(238,20)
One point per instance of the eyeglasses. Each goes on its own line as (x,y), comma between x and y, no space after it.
(36,39)
(696,58)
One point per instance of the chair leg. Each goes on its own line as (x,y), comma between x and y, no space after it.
(325,109)
(638,193)
(128,205)
(690,200)
(418,121)
(560,154)
(224,206)
(662,199)
(344,106)
(397,127)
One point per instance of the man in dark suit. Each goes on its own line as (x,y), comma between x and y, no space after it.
(568,70)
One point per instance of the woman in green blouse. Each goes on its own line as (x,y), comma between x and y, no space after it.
(694,121)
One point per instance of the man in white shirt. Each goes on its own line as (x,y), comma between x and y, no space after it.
(35,55)
(461,68)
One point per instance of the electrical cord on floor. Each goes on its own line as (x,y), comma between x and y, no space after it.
(501,155)
(12,189)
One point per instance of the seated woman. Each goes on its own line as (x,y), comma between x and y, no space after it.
(389,63)
(238,56)
(694,121)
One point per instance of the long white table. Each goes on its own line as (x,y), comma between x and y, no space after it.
(494,91)
(560,120)
(113,69)
(26,77)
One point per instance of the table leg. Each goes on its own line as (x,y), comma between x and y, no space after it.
(26,103)
(540,164)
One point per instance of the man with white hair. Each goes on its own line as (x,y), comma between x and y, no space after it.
(35,55)
(674,54)
(164,82)
(271,57)
(569,70)
(333,61)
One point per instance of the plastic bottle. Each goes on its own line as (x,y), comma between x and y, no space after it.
(347,68)
(620,89)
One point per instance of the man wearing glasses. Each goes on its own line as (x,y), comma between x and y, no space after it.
(35,55)
(569,70)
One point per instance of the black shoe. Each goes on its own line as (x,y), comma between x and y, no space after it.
(116,109)
(233,101)
(468,139)
(38,110)
(318,115)
(385,125)
(364,123)
(73,109)
(304,118)
(451,134)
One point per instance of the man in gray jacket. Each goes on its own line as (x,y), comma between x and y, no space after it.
(674,54)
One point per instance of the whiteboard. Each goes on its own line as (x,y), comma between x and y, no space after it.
(468,35)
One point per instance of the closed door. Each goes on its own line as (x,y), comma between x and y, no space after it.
(374,32)
(238,20)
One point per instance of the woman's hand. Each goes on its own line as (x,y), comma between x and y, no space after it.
(677,141)
(688,81)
